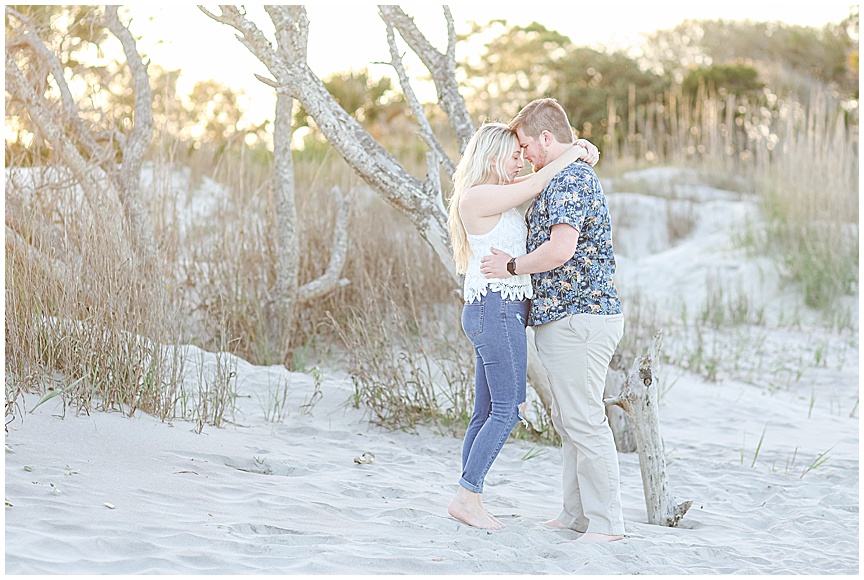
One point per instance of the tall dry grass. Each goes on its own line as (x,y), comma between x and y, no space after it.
(801,161)
(809,188)
(396,326)
(84,319)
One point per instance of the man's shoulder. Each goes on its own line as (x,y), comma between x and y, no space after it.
(575,173)
(580,169)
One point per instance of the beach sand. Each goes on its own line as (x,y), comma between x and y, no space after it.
(108,494)
(289,498)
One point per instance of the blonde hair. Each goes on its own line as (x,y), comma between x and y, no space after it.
(491,142)
(543,115)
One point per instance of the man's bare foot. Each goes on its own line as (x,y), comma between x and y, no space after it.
(467,507)
(592,537)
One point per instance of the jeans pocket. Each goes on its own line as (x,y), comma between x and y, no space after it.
(580,325)
(472,319)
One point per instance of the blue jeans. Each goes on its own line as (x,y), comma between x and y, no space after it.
(496,326)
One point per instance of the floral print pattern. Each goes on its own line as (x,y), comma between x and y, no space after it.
(584,284)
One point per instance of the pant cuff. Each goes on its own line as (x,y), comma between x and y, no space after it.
(470,486)
(571,522)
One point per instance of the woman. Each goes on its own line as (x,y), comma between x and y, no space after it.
(482,210)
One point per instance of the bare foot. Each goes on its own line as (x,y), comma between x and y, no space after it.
(494,519)
(592,537)
(467,507)
(554,524)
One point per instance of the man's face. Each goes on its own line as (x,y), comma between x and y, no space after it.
(532,149)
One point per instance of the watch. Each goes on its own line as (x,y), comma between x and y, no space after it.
(511,266)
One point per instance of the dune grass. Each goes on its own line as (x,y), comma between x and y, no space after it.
(79,312)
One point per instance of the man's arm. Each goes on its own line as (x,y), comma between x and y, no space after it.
(557,250)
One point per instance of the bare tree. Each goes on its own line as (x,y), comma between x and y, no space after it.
(441,65)
(288,291)
(90,153)
(286,62)
(420,200)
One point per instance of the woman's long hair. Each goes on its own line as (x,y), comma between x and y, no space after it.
(491,142)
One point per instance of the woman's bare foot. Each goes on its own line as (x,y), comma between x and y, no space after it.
(494,519)
(592,537)
(467,507)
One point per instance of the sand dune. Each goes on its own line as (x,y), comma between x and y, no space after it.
(106,494)
(288,498)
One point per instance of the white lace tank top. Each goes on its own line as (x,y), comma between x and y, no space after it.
(509,236)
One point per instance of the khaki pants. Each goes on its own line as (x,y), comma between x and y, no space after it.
(576,351)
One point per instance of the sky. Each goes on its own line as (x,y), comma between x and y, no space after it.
(350,35)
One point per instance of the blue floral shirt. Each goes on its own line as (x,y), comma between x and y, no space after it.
(583,284)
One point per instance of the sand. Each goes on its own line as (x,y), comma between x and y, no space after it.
(108,494)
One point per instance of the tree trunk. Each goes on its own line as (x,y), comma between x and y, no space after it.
(639,399)
(619,422)
(127,177)
(287,258)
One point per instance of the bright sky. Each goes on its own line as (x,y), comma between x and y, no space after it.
(350,35)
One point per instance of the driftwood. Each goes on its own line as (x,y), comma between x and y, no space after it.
(639,400)
(619,421)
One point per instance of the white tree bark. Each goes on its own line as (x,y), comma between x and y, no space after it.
(419,200)
(332,276)
(442,66)
(127,177)
(54,269)
(639,399)
(40,113)
(288,291)
(426,132)
(287,258)
(619,421)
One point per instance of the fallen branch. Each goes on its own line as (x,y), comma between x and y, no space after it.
(639,399)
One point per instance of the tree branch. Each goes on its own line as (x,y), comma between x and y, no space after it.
(52,240)
(640,400)
(292,29)
(53,268)
(128,181)
(441,66)
(17,84)
(331,280)
(250,36)
(426,132)
(52,63)
(365,155)
(136,146)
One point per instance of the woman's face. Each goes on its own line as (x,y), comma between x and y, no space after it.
(514,163)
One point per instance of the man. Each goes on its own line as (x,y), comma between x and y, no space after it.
(576,316)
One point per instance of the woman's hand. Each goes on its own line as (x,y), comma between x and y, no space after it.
(593,154)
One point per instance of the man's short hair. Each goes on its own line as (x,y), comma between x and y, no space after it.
(543,115)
